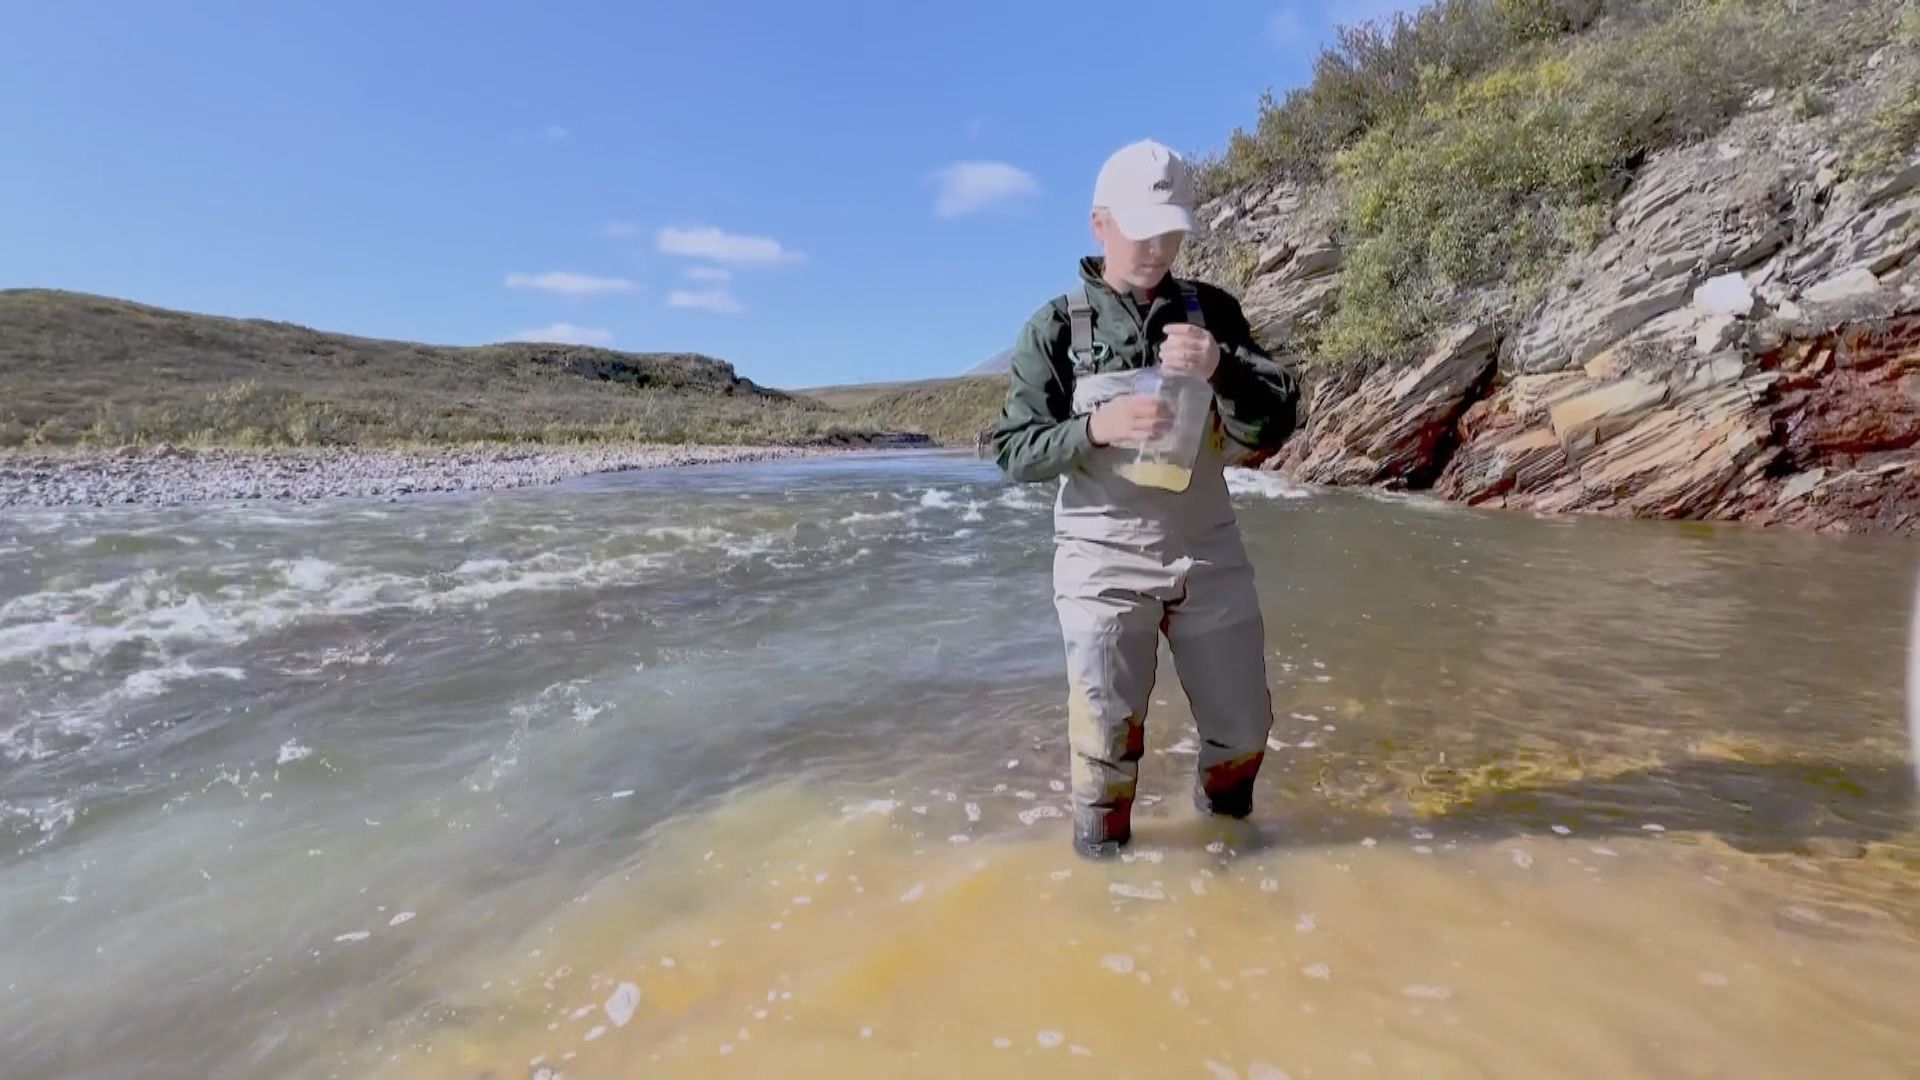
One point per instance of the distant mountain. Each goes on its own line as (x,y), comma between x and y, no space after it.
(996,364)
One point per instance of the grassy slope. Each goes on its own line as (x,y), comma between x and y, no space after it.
(87,370)
(855,396)
(953,412)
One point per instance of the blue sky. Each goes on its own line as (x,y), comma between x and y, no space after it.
(820,193)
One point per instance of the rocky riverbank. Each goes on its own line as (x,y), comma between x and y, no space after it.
(164,476)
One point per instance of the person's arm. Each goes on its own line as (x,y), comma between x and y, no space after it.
(1037,437)
(1259,396)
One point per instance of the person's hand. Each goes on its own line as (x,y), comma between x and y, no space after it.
(1190,350)
(1129,420)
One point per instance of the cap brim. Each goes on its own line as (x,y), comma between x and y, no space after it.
(1147,222)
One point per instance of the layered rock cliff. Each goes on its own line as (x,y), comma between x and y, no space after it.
(1742,343)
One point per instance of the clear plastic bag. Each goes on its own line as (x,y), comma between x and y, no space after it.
(1166,461)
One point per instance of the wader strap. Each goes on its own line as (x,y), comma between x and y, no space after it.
(1080,315)
(1190,297)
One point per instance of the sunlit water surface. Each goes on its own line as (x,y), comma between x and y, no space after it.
(759,771)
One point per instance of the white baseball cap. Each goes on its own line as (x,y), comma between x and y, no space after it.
(1148,189)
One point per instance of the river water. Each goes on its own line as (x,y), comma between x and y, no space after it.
(758,771)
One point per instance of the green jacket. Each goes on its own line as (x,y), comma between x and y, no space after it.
(1037,438)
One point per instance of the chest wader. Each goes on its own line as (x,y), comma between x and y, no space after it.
(1132,564)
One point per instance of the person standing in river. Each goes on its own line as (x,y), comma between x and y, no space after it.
(1133,562)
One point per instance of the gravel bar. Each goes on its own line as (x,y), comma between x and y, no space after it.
(165,476)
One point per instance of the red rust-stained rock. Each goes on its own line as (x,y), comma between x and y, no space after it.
(1823,433)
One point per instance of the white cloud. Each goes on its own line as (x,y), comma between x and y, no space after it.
(556,133)
(571,284)
(1284,27)
(969,187)
(720,301)
(707,242)
(622,230)
(567,334)
(709,273)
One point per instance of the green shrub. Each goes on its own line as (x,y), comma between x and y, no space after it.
(1467,192)
(1480,142)
(1890,137)
(1807,103)
(1241,260)
(1375,73)
(1494,183)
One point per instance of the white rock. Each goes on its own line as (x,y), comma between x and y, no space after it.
(1727,294)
